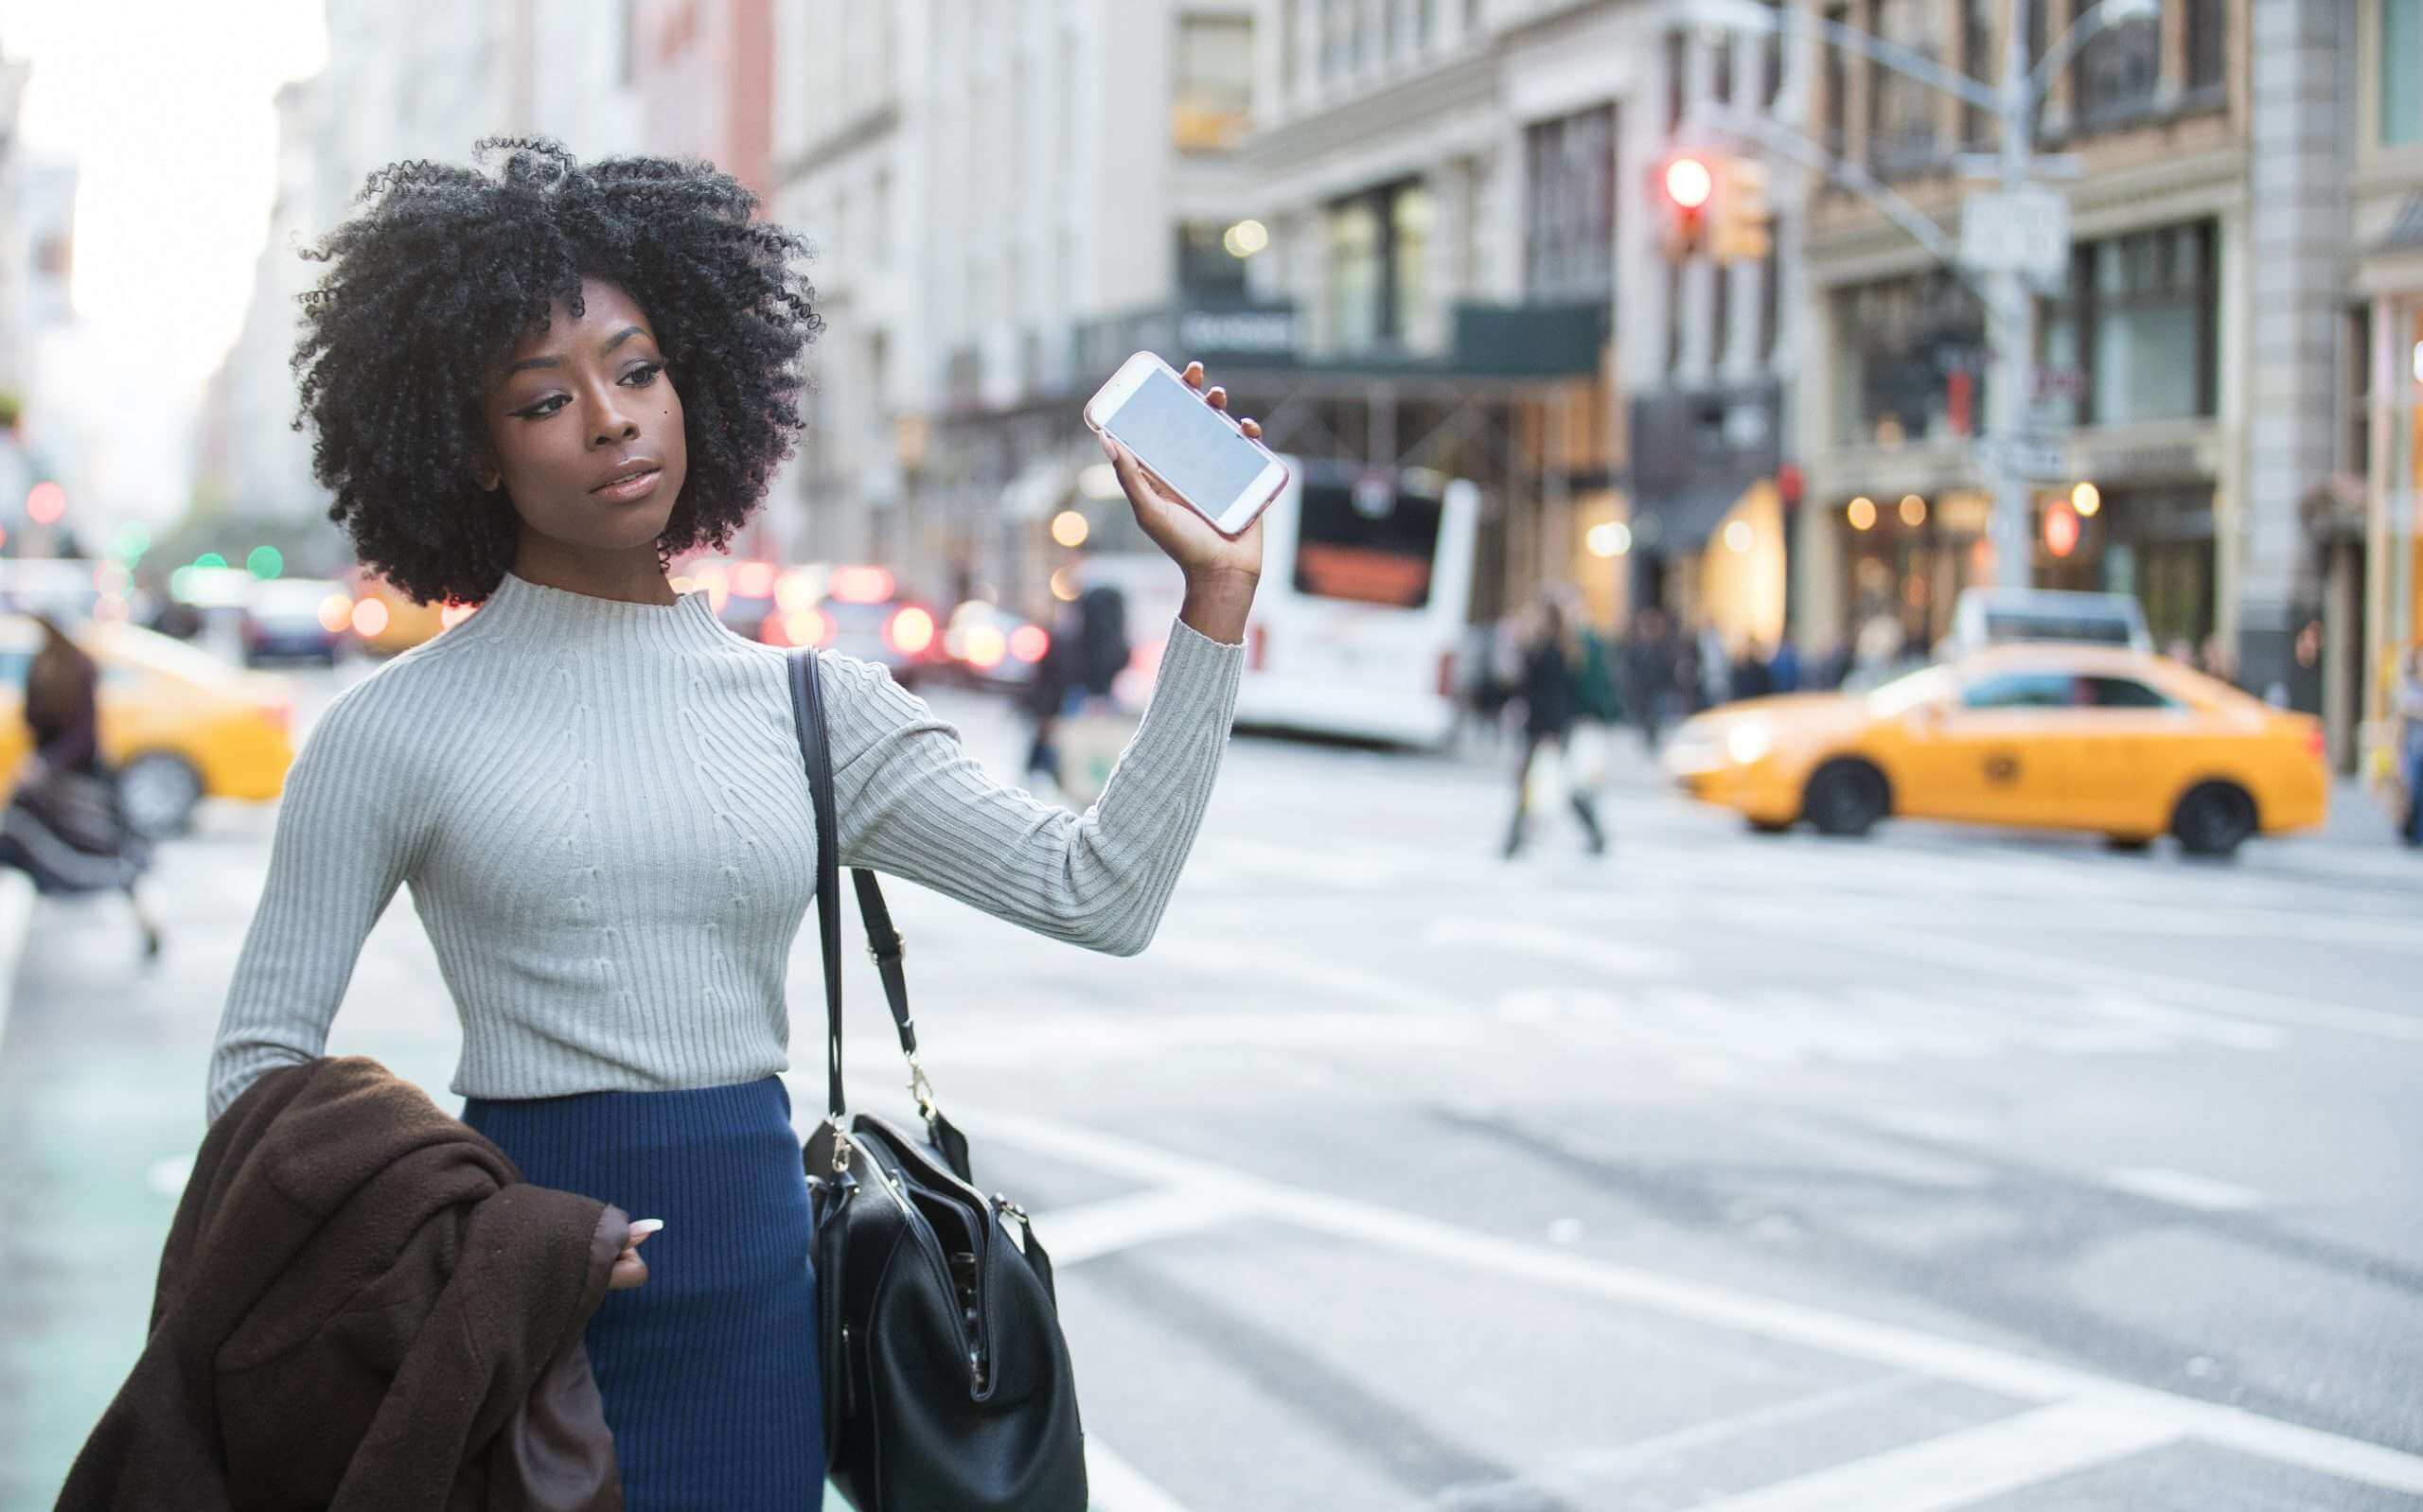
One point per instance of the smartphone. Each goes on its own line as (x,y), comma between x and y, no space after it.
(1219,471)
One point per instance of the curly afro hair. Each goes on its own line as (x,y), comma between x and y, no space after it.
(432,284)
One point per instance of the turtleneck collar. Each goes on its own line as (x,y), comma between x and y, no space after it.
(535,612)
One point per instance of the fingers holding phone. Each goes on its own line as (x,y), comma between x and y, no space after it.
(1197,481)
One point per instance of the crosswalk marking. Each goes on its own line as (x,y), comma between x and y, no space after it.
(1969,1464)
(2143,1409)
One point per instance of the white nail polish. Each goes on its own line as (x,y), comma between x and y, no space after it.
(641,1228)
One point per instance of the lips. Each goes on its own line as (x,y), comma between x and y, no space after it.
(634,479)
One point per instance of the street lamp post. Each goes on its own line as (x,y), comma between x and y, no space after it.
(2010,457)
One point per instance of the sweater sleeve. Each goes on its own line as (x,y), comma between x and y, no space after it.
(341,850)
(914,804)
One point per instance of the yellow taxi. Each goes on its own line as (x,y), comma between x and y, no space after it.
(180,724)
(2064,737)
(387,621)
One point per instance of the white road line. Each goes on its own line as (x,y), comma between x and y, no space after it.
(1114,1223)
(1345,978)
(2183,1188)
(1575,1478)
(1114,1486)
(1883,1343)
(1971,956)
(1959,1468)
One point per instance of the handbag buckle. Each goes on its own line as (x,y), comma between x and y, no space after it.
(922,1089)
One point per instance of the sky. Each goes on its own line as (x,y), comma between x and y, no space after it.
(165,108)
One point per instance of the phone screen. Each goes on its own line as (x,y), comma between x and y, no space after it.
(1173,431)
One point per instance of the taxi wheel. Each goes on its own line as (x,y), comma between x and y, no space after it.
(1846,798)
(2213,819)
(156,792)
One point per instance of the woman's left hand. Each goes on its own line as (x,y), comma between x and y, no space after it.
(1202,552)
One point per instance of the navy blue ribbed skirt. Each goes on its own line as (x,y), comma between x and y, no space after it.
(709,1371)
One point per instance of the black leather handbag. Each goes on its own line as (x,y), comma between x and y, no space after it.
(946,1381)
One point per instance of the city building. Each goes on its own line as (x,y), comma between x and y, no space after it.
(2376,526)
(427,81)
(1006,201)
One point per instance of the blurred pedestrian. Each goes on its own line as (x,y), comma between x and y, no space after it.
(64,825)
(2410,736)
(1751,676)
(1551,657)
(1102,650)
(1649,675)
(1783,668)
(1043,698)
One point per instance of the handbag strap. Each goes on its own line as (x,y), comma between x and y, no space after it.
(884,942)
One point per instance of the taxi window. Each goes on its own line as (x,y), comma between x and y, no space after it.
(2122,693)
(2020,690)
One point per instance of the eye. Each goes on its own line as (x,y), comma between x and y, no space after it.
(544,408)
(643,375)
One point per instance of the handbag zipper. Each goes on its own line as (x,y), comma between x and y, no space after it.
(975,1363)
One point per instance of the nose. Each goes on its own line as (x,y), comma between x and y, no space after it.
(609,423)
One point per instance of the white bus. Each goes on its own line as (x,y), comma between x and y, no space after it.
(1366,586)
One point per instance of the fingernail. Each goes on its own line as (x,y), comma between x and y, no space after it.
(1109,448)
(646,1227)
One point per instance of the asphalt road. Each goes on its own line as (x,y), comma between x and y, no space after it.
(1941,1170)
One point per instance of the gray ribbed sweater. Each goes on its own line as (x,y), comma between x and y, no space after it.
(601,811)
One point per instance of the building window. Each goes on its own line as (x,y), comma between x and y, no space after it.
(1379,265)
(1337,38)
(1770,305)
(1770,60)
(1206,272)
(1213,100)
(1673,316)
(1838,84)
(2139,327)
(2115,75)
(2401,107)
(1719,84)
(2208,37)
(1978,61)
(1900,109)
(1911,349)
(1288,20)
(1569,207)
(1677,78)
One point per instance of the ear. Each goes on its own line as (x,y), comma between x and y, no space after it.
(486,472)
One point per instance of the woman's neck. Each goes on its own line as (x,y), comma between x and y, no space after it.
(633,577)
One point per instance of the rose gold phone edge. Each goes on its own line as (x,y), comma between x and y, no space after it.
(1276,464)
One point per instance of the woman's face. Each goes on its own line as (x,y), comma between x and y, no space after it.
(585,429)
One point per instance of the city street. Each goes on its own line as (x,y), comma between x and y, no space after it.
(1947,1170)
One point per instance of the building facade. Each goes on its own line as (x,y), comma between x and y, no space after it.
(1003,198)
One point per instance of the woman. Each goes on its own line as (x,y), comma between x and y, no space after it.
(532,387)
(62,826)
(1551,705)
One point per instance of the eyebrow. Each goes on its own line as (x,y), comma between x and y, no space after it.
(612,342)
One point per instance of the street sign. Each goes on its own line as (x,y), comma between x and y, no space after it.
(2035,457)
(2025,230)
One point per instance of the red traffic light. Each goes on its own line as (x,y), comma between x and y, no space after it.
(1690,183)
(44,502)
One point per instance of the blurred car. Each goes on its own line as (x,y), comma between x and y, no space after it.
(988,646)
(2005,616)
(387,622)
(858,612)
(64,586)
(307,619)
(2064,737)
(179,723)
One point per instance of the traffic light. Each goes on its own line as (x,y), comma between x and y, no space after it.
(1742,221)
(1715,204)
(1686,185)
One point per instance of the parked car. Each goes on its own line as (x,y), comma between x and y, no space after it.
(307,619)
(179,723)
(989,646)
(2062,737)
(861,613)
